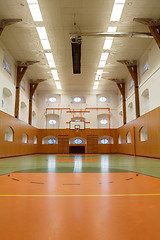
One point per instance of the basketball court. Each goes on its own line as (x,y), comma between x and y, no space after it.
(79,197)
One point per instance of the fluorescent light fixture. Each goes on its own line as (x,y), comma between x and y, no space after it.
(36,13)
(46,44)
(120,1)
(32,1)
(108,43)
(49,56)
(58,85)
(96,83)
(102,64)
(42,32)
(99,74)
(117,11)
(55,74)
(104,56)
(112,29)
(51,64)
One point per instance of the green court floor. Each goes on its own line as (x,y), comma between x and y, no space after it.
(48,163)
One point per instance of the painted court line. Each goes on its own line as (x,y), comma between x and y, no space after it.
(106,195)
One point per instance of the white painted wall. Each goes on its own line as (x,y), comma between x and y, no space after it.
(8,81)
(148,80)
(65,101)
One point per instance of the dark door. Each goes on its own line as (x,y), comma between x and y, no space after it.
(63,144)
(92,144)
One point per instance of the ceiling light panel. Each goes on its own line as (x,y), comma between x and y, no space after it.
(42,32)
(102,64)
(36,13)
(49,56)
(58,85)
(45,44)
(96,83)
(55,74)
(51,64)
(104,56)
(117,10)
(32,1)
(112,29)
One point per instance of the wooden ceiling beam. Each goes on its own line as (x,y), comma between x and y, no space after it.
(7,22)
(153,25)
(132,68)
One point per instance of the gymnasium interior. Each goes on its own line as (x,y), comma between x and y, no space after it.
(79,119)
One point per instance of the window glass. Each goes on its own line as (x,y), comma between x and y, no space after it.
(52,141)
(104,141)
(103,121)
(52,122)
(77,99)
(102,99)
(77,141)
(52,99)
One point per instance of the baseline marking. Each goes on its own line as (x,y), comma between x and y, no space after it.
(107,195)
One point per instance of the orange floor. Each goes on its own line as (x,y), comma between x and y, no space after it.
(47,206)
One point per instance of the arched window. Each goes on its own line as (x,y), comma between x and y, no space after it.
(105,140)
(7,100)
(9,134)
(52,121)
(23,112)
(52,99)
(77,99)
(102,99)
(121,118)
(49,140)
(130,115)
(128,137)
(103,120)
(33,118)
(25,138)
(145,101)
(143,134)
(119,139)
(35,139)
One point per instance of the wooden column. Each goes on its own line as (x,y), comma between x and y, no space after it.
(153,25)
(6,22)
(132,68)
(121,87)
(33,87)
(20,73)
(133,72)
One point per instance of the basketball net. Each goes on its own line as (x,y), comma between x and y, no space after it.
(77,128)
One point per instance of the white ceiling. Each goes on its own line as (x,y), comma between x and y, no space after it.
(23,42)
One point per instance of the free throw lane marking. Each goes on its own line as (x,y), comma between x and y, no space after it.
(105,195)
